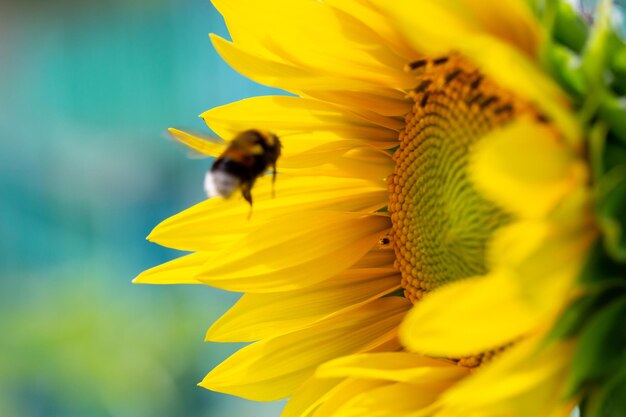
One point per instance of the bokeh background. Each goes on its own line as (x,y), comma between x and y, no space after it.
(87,90)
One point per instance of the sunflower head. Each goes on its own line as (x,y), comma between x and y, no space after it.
(447,233)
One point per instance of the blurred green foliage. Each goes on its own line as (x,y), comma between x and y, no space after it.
(81,350)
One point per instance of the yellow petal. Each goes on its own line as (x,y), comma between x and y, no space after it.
(214,224)
(371,16)
(512,244)
(439,27)
(432,27)
(272,29)
(350,92)
(525,381)
(343,392)
(394,400)
(313,392)
(364,162)
(258,316)
(526,169)
(393,366)
(511,21)
(273,368)
(178,271)
(466,318)
(324,154)
(376,258)
(294,251)
(529,247)
(301,123)
(549,267)
(384,102)
(289,77)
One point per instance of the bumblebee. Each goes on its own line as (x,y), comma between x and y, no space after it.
(246,158)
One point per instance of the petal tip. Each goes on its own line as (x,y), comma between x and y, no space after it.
(216,334)
(209,336)
(156,234)
(142,278)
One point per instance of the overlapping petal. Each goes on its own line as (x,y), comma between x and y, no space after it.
(385,400)
(438,27)
(301,124)
(326,243)
(394,366)
(311,393)
(359,53)
(472,321)
(257,316)
(213,224)
(527,169)
(526,381)
(274,367)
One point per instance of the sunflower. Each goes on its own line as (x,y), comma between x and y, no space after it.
(448,206)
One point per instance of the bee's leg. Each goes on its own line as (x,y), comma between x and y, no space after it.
(273,181)
(246,192)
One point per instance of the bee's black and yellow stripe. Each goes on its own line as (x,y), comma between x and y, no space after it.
(248,156)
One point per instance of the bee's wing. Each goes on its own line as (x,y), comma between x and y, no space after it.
(203,145)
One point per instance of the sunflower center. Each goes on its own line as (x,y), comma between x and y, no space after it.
(441,224)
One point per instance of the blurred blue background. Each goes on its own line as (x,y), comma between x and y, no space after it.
(87,90)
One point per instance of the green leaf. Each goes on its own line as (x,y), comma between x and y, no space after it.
(603,282)
(617,63)
(614,154)
(575,317)
(613,111)
(597,146)
(570,29)
(609,399)
(583,309)
(608,161)
(566,69)
(600,272)
(611,212)
(600,348)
